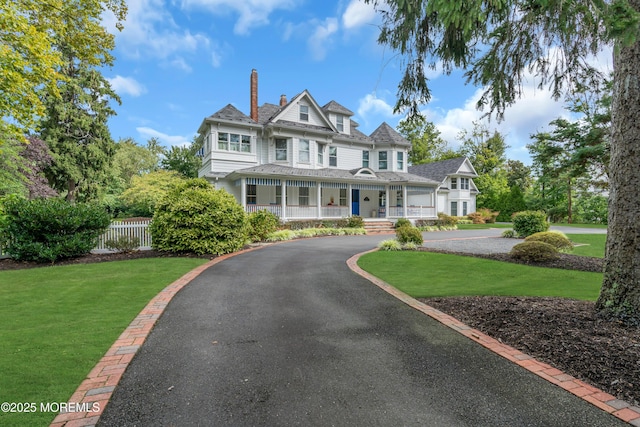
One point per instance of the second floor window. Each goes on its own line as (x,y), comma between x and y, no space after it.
(234,142)
(304,113)
(454,183)
(320,155)
(382,160)
(303,151)
(333,156)
(400,161)
(281,149)
(464,183)
(340,123)
(365,159)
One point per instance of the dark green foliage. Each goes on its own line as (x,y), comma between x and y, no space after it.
(409,234)
(534,252)
(46,230)
(195,217)
(527,223)
(403,222)
(350,222)
(355,221)
(446,220)
(123,244)
(557,240)
(261,224)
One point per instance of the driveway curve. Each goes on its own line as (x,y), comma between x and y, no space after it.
(289,336)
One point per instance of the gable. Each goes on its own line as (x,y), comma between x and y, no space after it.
(304,110)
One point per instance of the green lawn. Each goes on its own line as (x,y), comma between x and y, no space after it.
(57,322)
(594,244)
(600,226)
(427,274)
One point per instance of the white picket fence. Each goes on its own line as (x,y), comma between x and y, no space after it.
(133,229)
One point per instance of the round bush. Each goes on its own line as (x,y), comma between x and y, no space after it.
(527,223)
(261,224)
(534,252)
(509,234)
(46,230)
(195,217)
(390,245)
(403,222)
(557,240)
(409,234)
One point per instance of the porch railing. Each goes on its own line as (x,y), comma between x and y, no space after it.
(412,212)
(296,211)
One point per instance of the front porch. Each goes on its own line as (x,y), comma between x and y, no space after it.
(301,199)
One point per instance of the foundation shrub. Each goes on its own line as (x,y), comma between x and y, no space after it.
(446,220)
(261,224)
(407,234)
(403,222)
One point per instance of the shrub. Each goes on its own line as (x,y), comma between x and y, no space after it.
(408,234)
(390,245)
(261,224)
(46,230)
(488,215)
(476,218)
(534,251)
(509,234)
(123,244)
(355,221)
(555,239)
(446,220)
(410,246)
(281,235)
(195,217)
(403,222)
(527,223)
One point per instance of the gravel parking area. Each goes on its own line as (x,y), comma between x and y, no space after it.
(474,245)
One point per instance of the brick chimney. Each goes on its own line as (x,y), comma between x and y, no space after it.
(283,100)
(254,95)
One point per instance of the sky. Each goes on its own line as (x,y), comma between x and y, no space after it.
(179,61)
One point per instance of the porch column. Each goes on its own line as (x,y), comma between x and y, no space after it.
(283,202)
(243,193)
(386,202)
(319,199)
(350,199)
(404,202)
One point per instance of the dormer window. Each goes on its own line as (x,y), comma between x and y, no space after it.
(304,113)
(340,123)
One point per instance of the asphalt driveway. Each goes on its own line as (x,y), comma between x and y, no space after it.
(287,335)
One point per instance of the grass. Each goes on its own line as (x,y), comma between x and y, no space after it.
(57,322)
(427,274)
(600,226)
(484,226)
(595,244)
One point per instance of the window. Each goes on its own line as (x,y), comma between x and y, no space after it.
(303,196)
(333,156)
(304,113)
(245,146)
(400,161)
(365,159)
(399,198)
(321,154)
(281,149)
(303,151)
(223,141)
(454,183)
(464,183)
(382,160)
(454,208)
(278,195)
(464,209)
(234,142)
(343,197)
(340,123)
(252,194)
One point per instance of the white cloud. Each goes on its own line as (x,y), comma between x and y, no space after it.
(320,40)
(357,14)
(252,13)
(373,110)
(168,140)
(126,85)
(151,32)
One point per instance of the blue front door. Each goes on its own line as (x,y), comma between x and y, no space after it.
(355,202)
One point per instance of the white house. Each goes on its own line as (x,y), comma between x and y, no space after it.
(301,160)
(457,192)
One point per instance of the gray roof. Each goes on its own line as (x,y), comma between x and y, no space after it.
(232,114)
(300,126)
(438,171)
(385,134)
(272,169)
(334,107)
(266,112)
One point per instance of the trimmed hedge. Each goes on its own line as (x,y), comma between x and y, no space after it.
(47,230)
(526,223)
(195,217)
(555,239)
(409,234)
(534,251)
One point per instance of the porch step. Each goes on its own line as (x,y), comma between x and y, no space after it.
(379,227)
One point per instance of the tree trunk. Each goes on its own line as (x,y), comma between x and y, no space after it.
(620,293)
